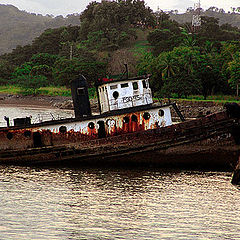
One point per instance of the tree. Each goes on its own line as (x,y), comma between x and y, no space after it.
(234,71)
(161,40)
(184,71)
(6,70)
(19,55)
(30,84)
(181,84)
(165,37)
(209,75)
(48,42)
(40,65)
(188,39)
(66,70)
(167,65)
(112,23)
(44,59)
(29,80)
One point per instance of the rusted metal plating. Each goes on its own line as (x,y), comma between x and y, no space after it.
(29,138)
(86,130)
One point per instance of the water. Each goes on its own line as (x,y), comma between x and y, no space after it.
(88,203)
(37,114)
(117,204)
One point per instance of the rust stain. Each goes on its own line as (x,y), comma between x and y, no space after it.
(148,131)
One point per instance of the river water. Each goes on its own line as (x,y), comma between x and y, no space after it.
(65,203)
(37,114)
(109,203)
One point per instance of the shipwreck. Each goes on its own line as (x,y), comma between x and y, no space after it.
(129,129)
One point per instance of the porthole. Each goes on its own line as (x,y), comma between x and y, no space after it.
(111,122)
(146,116)
(115,94)
(134,118)
(161,113)
(63,129)
(27,134)
(91,125)
(126,120)
(9,135)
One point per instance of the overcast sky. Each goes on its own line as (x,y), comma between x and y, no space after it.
(64,7)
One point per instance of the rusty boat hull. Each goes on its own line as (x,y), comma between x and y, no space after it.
(129,129)
(201,143)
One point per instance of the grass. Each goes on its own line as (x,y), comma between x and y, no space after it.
(54,91)
(141,45)
(10,89)
(213,98)
(49,91)
(64,91)
(216,98)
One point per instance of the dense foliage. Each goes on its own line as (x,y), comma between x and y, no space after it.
(182,62)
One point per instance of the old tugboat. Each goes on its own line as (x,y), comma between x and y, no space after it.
(130,128)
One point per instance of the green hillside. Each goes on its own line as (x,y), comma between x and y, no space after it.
(20,28)
(112,34)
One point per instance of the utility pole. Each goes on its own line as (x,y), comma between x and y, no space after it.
(238,87)
(71,51)
(196,18)
(159,15)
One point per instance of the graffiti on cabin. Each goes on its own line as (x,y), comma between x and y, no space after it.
(132,98)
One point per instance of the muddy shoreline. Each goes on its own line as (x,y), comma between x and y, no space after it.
(37,101)
(189,109)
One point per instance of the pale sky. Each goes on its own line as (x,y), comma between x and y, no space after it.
(64,7)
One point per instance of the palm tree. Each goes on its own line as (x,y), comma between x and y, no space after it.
(166,64)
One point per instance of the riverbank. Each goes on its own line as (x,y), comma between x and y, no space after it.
(36,101)
(189,108)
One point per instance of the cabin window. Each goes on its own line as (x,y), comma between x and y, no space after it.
(113,87)
(91,125)
(135,86)
(9,135)
(124,85)
(161,113)
(115,94)
(63,129)
(144,83)
(27,134)
(81,91)
(146,116)
(134,118)
(126,119)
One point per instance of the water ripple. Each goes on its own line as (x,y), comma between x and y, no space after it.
(117,204)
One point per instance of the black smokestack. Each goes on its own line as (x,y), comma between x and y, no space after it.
(80,97)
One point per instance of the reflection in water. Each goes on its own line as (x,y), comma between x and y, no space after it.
(117,204)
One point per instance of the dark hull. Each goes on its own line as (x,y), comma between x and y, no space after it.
(200,143)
